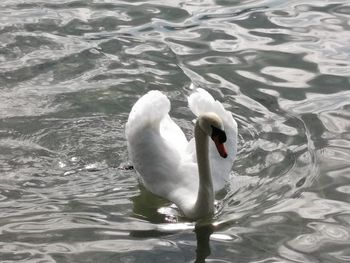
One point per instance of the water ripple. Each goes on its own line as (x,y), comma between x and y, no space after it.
(69,73)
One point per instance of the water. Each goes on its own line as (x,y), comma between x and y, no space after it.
(69,74)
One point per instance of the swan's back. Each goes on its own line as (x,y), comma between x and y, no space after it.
(200,101)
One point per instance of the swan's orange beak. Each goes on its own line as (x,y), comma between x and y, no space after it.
(220,146)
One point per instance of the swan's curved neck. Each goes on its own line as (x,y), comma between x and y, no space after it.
(204,205)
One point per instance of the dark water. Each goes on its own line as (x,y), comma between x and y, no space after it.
(69,74)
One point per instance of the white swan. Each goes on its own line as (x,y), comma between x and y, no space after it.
(185,173)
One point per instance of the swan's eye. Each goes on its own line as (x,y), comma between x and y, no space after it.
(219,134)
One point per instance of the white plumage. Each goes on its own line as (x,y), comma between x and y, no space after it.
(164,158)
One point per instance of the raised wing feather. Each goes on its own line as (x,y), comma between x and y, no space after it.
(152,111)
(156,145)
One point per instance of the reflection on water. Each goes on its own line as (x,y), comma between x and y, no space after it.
(69,74)
(203,248)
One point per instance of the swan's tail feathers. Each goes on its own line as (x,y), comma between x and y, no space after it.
(149,110)
(200,101)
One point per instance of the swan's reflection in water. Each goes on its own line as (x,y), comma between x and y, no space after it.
(203,233)
(167,220)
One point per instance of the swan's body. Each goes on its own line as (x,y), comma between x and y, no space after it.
(186,173)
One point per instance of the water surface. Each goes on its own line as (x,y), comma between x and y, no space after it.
(70,72)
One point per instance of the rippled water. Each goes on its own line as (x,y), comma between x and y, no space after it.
(69,74)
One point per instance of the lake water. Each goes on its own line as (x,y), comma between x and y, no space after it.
(70,72)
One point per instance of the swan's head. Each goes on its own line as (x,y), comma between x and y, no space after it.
(213,126)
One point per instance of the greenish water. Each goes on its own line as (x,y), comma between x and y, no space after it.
(70,72)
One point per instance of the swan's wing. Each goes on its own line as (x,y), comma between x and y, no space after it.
(173,134)
(155,144)
(152,111)
(200,101)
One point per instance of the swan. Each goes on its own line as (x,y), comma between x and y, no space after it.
(187,173)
